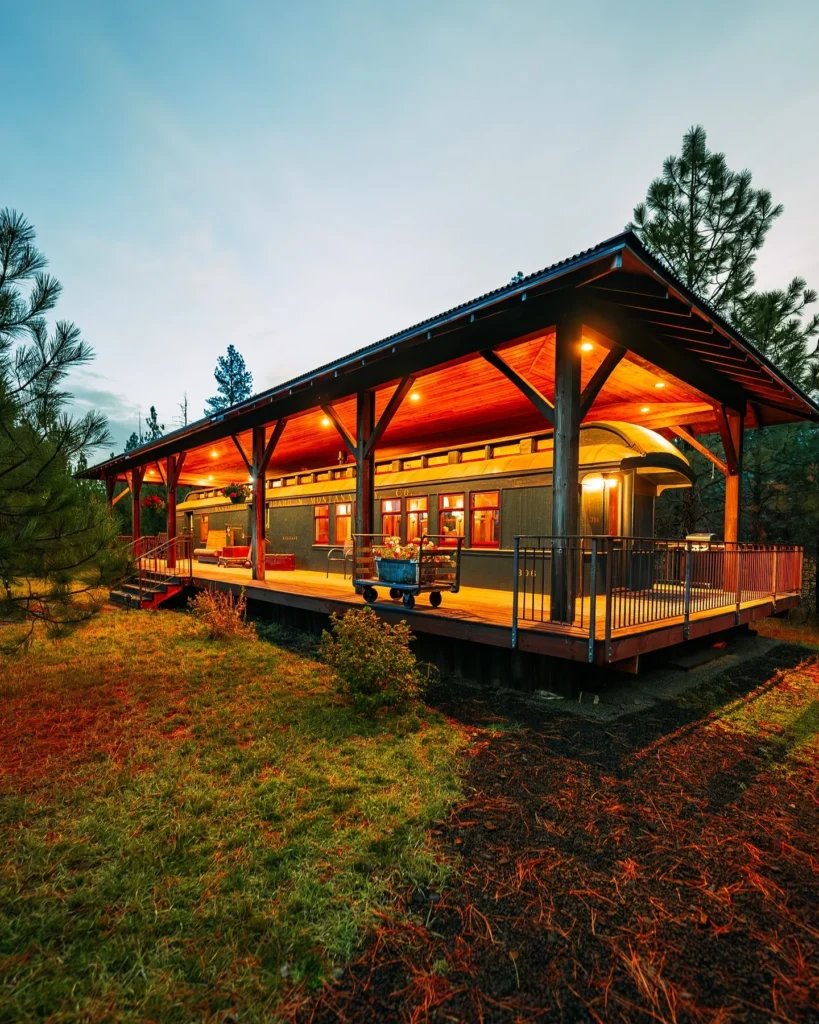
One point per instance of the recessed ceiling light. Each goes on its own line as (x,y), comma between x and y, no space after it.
(214,455)
(210,478)
(660,384)
(326,421)
(645,408)
(414,397)
(586,346)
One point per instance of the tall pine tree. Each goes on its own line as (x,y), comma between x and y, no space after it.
(55,532)
(234,382)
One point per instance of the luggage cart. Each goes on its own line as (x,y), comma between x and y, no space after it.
(437,568)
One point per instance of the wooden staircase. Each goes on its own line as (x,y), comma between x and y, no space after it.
(158,574)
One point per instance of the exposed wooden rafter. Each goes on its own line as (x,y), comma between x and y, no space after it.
(241,451)
(334,418)
(398,396)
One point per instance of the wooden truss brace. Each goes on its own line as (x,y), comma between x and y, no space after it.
(359,453)
(700,447)
(241,451)
(135,479)
(174,469)
(538,400)
(599,378)
(161,474)
(263,453)
(732,455)
(121,495)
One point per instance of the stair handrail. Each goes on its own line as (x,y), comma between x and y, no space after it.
(154,553)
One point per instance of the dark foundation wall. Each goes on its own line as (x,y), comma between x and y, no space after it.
(484,664)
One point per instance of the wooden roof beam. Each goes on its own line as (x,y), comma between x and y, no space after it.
(539,401)
(269,448)
(700,447)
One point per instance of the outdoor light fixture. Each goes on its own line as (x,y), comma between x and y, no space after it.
(660,384)
(414,397)
(326,421)
(214,455)
(592,483)
(609,482)
(646,408)
(586,346)
(210,478)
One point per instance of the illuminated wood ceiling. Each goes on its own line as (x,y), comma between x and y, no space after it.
(463,402)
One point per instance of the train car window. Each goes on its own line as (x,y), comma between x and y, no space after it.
(485,519)
(417,517)
(451,517)
(344,519)
(391,517)
(321,524)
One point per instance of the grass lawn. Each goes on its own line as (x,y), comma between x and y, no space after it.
(190,826)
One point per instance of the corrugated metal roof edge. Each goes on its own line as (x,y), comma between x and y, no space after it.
(625,239)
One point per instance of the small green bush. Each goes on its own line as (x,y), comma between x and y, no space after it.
(372,659)
(221,613)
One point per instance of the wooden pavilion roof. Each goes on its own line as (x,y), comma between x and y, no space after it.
(683,363)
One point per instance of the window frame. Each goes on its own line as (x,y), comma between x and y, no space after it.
(317,518)
(337,515)
(415,514)
(451,541)
(392,514)
(485,545)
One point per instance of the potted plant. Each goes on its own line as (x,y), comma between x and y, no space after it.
(239,494)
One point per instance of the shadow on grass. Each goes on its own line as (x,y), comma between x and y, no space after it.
(659,868)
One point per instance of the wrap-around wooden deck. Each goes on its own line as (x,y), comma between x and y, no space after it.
(485,616)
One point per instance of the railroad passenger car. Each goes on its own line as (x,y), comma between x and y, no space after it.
(487,493)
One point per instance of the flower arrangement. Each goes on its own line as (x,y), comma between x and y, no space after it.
(238,493)
(153,502)
(393,548)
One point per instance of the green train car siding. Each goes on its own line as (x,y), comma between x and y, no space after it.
(623,468)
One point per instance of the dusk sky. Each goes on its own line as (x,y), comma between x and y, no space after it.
(304,179)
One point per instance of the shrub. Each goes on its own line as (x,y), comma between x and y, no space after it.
(372,659)
(221,613)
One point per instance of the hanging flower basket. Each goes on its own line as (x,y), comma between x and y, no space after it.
(239,494)
(153,501)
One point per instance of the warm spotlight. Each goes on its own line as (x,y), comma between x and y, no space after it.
(214,455)
(326,421)
(414,397)
(646,408)
(660,384)
(586,346)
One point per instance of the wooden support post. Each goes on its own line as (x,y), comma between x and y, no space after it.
(261,456)
(365,460)
(257,538)
(733,480)
(173,468)
(110,485)
(565,482)
(137,473)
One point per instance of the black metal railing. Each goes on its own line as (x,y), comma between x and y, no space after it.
(599,586)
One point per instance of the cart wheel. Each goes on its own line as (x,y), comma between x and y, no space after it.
(395,593)
(435,598)
(409,601)
(370,594)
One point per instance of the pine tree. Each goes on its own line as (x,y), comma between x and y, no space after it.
(234,380)
(774,321)
(55,531)
(153,428)
(706,221)
(134,441)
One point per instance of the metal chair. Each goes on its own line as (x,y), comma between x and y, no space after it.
(343,555)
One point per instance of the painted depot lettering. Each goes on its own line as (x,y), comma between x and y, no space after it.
(311,499)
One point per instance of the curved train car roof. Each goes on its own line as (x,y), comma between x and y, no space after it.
(612,446)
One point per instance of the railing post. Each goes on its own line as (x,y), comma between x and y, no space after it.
(739,581)
(687,591)
(515,565)
(592,598)
(609,579)
(773,576)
